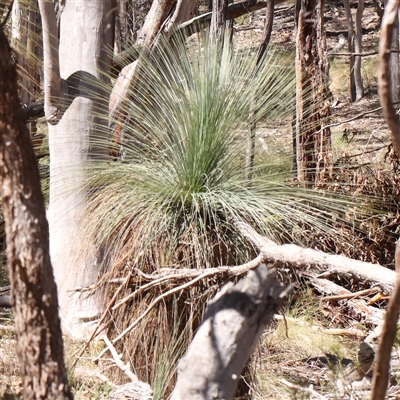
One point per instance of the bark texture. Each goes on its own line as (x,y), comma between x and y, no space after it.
(34,293)
(75,88)
(231,327)
(358,49)
(218,18)
(313,142)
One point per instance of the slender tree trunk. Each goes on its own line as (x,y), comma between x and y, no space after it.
(218,19)
(394,62)
(19,43)
(358,49)
(350,47)
(251,142)
(34,293)
(121,26)
(313,142)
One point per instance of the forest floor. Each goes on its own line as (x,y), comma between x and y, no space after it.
(313,353)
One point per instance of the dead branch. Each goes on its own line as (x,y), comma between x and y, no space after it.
(369,314)
(349,332)
(389,330)
(231,327)
(5,298)
(308,390)
(204,275)
(7,328)
(167,274)
(304,259)
(350,119)
(125,368)
(100,322)
(381,375)
(350,295)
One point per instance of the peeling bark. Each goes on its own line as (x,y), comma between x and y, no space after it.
(313,143)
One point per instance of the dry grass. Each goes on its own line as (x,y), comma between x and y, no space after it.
(290,350)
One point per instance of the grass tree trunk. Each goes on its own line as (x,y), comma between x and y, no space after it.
(86,37)
(313,142)
(34,293)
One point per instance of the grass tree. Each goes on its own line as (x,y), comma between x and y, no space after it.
(178,190)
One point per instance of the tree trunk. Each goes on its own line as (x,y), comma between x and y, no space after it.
(34,293)
(251,142)
(184,11)
(350,48)
(358,49)
(27,43)
(160,9)
(86,35)
(218,18)
(394,62)
(313,142)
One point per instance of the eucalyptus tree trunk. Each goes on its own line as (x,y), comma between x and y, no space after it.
(354,45)
(26,42)
(394,62)
(76,105)
(251,140)
(358,49)
(313,141)
(218,18)
(34,293)
(350,48)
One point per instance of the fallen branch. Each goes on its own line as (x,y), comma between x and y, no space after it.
(350,295)
(245,267)
(370,314)
(5,298)
(310,391)
(331,331)
(304,259)
(349,120)
(7,328)
(125,368)
(232,324)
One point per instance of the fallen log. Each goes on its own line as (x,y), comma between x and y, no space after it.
(231,327)
(327,264)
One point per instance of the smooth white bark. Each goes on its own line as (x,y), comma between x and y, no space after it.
(85,32)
